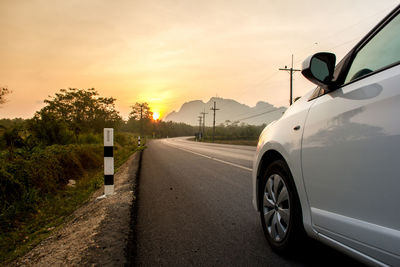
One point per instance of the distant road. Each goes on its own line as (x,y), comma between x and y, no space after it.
(194,208)
(239,156)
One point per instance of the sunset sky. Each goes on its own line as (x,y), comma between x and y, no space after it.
(168,52)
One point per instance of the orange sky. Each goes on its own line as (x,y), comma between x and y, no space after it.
(167,52)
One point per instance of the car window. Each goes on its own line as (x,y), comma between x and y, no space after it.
(381,51)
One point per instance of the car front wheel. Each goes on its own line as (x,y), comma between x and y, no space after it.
(280,208)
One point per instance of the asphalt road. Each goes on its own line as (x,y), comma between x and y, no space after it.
(194,208)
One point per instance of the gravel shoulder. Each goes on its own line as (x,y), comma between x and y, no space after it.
(96,234)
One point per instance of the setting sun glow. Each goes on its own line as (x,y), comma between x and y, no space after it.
(156,116)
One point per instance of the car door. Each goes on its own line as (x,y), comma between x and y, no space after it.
(351,151)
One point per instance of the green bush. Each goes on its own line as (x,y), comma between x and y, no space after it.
(122,139)
(47,130)
(10,188)
(90,138)
(30,177)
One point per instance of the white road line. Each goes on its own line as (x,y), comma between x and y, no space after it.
(205,156)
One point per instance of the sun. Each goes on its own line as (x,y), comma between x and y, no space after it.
(156,116)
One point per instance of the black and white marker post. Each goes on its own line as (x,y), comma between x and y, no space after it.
(108,161)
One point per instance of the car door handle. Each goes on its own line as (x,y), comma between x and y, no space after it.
(296,128)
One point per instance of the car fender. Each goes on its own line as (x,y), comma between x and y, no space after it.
(282,138)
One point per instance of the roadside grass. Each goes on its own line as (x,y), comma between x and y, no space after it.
(52,210)
(51,213)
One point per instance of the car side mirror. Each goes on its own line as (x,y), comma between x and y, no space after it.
(319,69)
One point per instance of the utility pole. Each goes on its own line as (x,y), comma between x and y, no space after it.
(204,119)
(291,70)
(200,117)
(214,109)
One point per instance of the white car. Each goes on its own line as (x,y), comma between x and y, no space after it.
(329,168)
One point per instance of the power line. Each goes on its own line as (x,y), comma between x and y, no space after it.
(291,70)
(253,116)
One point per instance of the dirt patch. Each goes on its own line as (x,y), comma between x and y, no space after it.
(97,233)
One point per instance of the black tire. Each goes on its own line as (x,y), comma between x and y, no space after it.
(294,234)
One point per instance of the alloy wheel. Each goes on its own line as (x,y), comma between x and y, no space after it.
(276,207)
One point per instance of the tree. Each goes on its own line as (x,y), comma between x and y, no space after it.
(3,92)
(48,130)
(141,112)
(83,110)
(13,139)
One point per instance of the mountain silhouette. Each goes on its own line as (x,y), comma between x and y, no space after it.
(229,110)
